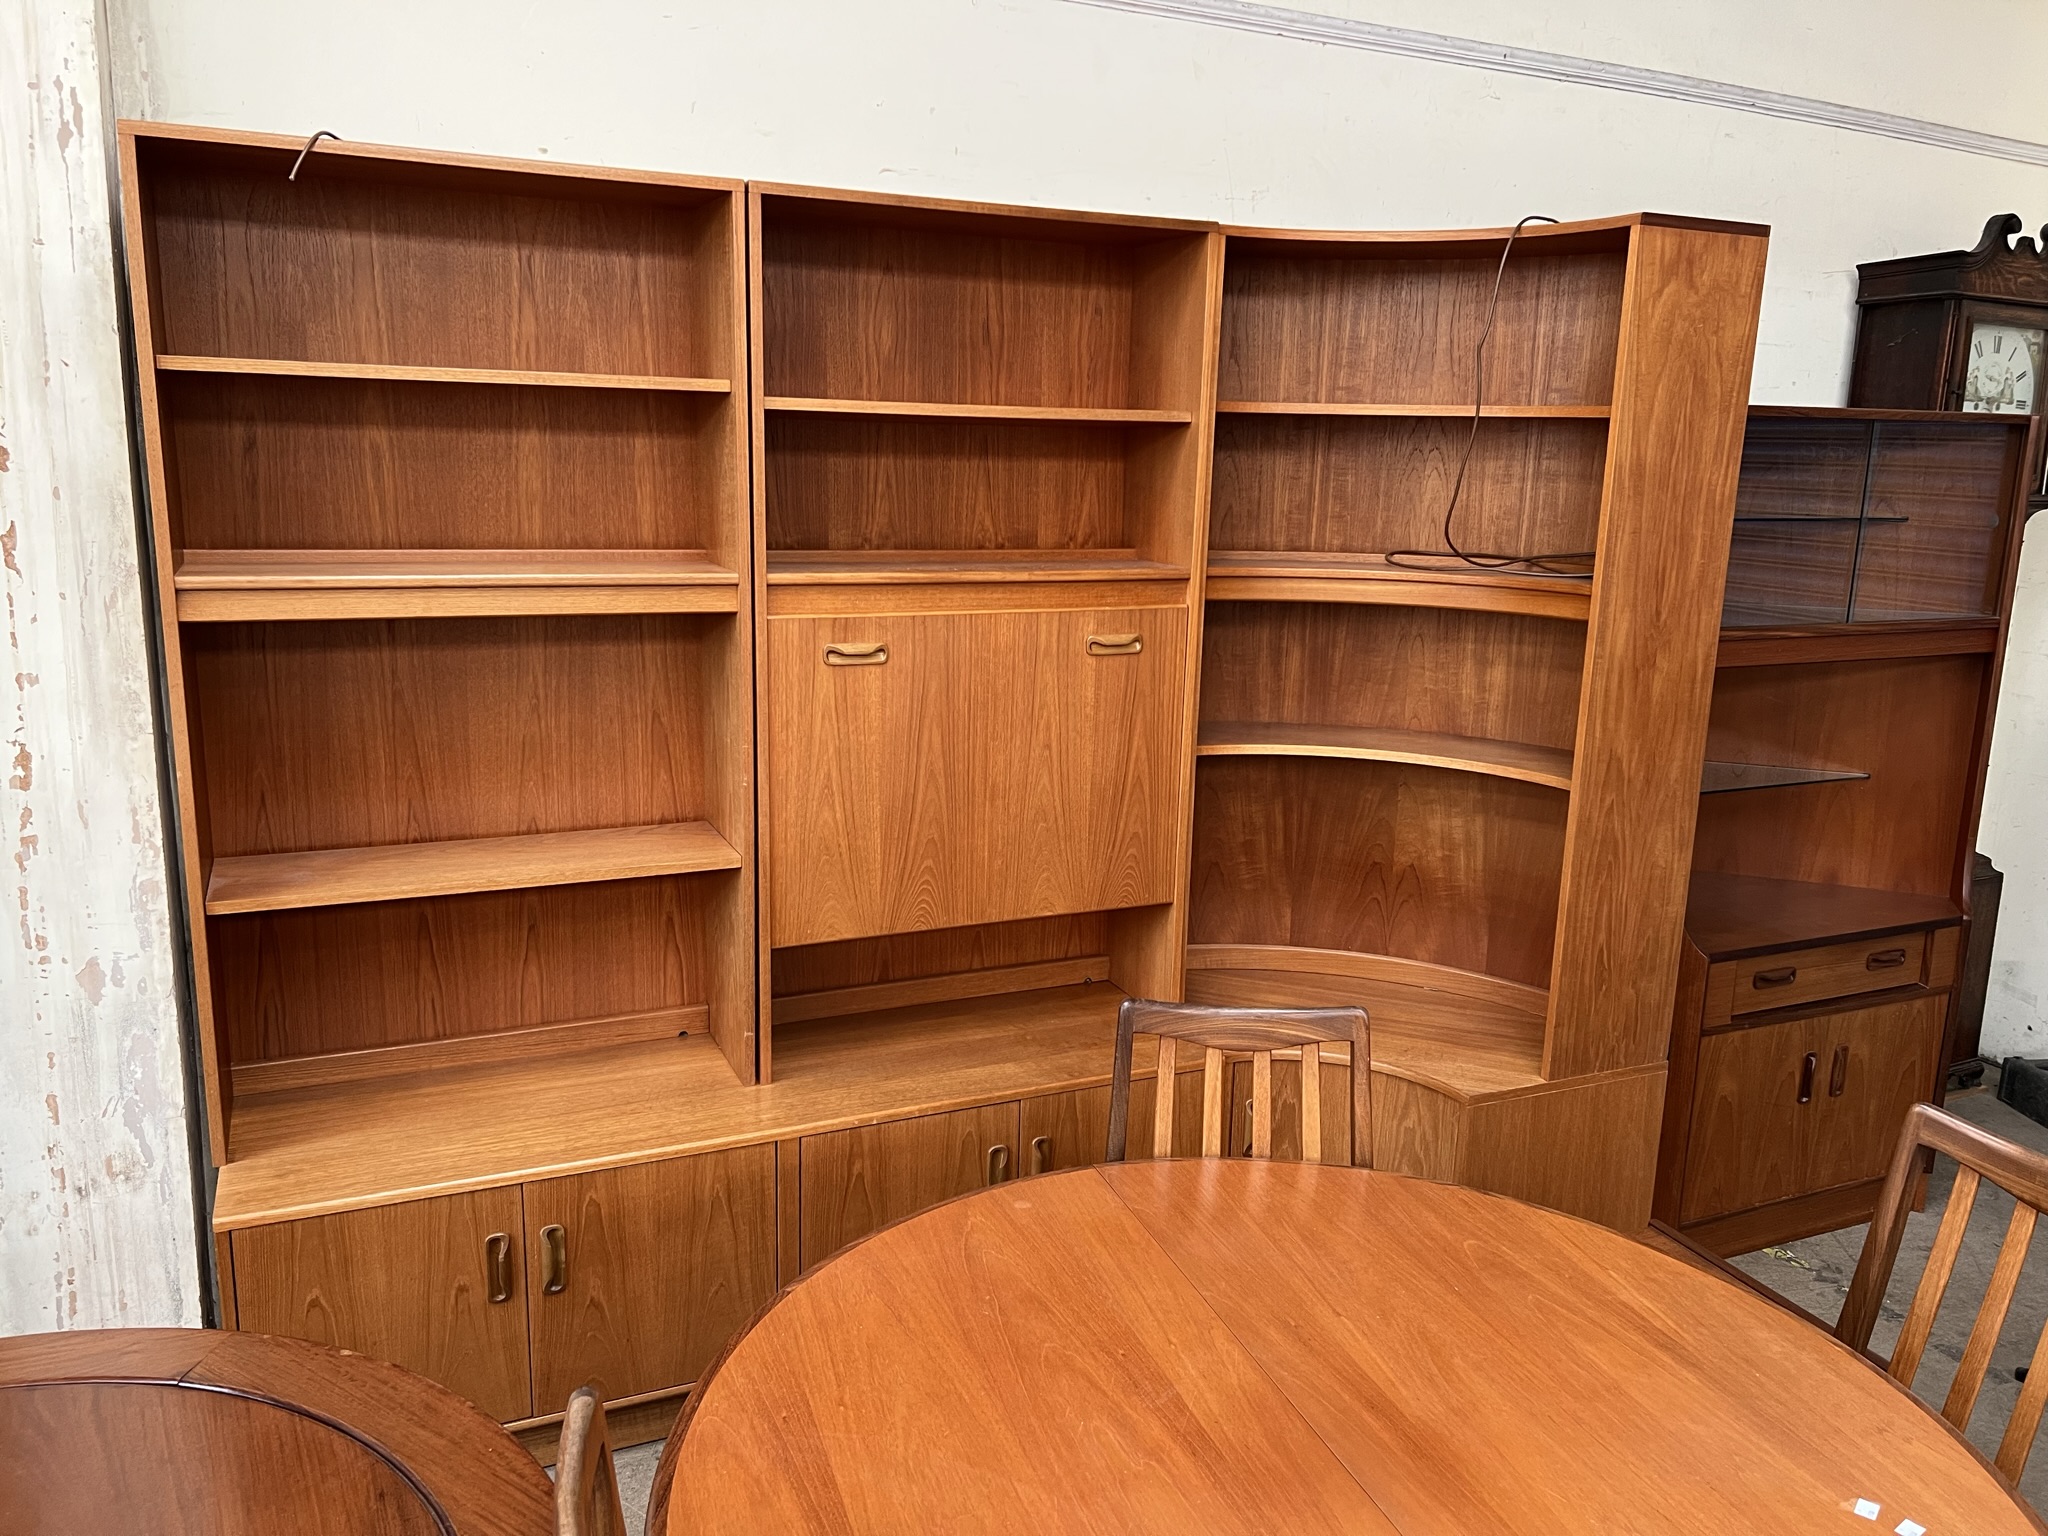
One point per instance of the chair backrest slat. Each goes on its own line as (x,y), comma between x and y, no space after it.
(1979,1155)
(1941,1263)
(586,1481)
(2005,1278)
(1228,1034)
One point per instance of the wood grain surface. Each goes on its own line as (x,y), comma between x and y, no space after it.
(201,1432)
(1240,1345)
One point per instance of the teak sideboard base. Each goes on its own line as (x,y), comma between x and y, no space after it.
(498,1227)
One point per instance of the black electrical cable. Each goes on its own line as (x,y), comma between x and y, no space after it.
(1572,565)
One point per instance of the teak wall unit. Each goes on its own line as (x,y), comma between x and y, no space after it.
(1463,798)
(685,702)
(1869,593)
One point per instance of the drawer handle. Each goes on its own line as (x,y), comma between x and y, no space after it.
(998,1163)
(1041,1153)
(498,1266)
(1115,645)
(1806,1077)
(554,1260)
(1838,1074)
(1783,976)
(837,655)
(1884,959)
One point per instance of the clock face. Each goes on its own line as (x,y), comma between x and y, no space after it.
(2002,370)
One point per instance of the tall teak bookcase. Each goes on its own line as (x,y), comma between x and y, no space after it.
(691,707)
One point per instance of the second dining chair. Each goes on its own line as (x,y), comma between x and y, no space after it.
(2021,1173)
(1225,1033)
(586,1481)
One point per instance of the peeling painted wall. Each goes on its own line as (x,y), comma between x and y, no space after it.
(97,1221)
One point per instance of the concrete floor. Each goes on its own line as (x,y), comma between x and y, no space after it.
(1815,1275)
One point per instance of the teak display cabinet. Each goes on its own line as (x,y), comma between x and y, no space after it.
(693,703)
(1461,796)
(1869,593)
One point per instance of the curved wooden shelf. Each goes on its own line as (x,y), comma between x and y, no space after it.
(1384,744)
(1100,415)
(229,585)
(1466,1035)
(412,373)
(329,877)
(1360,408)
(1255,576)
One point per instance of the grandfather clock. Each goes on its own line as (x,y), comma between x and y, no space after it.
(1958,331)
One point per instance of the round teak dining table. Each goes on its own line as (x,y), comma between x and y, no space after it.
(1224,1345)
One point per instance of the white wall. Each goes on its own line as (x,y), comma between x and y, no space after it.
(96,1199)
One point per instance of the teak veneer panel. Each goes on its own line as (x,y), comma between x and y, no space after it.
(1505,678)
(392,973)
(991,769)
(1325,322)
(407,1283)
(358,733)
(291,464)
(1674,447)
(665,1261)
(413,263)
(401,871)
(1454,869)
(1330,485)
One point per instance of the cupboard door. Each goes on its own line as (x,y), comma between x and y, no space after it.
(940,770)
(852,1182)
(637,1276)
(1752,1140)
(420,1284)
(1070,1130)
(1876,1063)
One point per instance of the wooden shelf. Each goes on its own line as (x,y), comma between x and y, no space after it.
(1719,778)
(1430,749)
(225,585)
(329,877)
(800,567)
(1778,644)
(1732,915)
(1356,408)
(287,368)
(1285,576)
(1083,414)
(1462,1034)
(344,1145)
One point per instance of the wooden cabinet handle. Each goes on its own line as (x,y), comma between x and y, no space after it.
(1806,1077)
(1115,645)
(1838,1072)
(1783,976)
(838,655)
(554,1260)
(498,1266)
(1884,959)
(998,1163)
(1041,1153)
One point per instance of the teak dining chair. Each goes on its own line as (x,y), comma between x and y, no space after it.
(586,1482)
(2019,1172)
(1259,1032)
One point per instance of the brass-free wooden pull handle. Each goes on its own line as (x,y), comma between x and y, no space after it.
(1783,976)
(1884,959)
(1041,1153)
(838,655)
(1806,1077)
(998,1163)
(1838,1073)
(1115,645)
(554,1260)
(498,1266)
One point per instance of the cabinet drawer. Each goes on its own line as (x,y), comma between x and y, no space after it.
(1791,977)
(1805,1104)
(938,770)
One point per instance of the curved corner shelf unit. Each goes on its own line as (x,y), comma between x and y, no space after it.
(1245,575)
